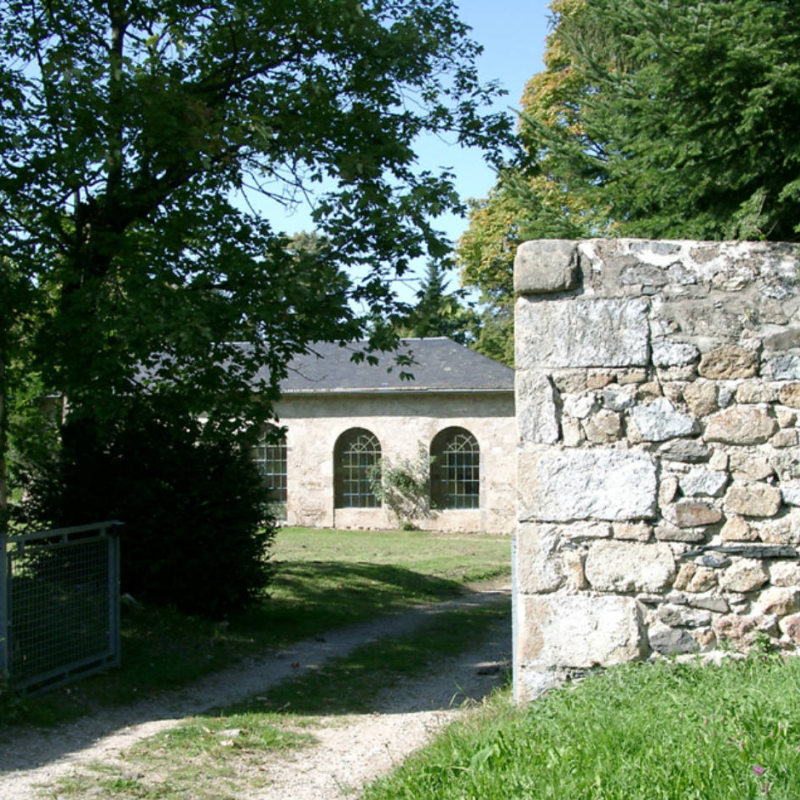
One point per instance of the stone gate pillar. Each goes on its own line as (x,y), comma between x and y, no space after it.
(658,460)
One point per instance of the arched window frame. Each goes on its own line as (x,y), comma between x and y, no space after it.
(270,456)
(356,456)
(455,469)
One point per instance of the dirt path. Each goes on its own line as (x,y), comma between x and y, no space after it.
(349,752)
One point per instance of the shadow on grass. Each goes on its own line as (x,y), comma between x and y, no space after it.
(163,651)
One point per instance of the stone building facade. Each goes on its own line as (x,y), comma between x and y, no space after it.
(658,509)
(340,416)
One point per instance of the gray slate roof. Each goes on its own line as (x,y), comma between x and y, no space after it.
(441,365)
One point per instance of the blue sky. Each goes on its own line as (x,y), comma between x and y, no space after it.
(512,33)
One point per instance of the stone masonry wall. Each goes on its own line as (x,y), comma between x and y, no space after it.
(658,480)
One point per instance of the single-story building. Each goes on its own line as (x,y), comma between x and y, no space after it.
(340,418)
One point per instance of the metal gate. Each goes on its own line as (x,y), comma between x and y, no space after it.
(59,619)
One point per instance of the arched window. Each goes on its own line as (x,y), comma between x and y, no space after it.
(269,455)
(356,456)
(455,469)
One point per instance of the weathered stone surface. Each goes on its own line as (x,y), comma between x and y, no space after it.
(737,529)
(777,600)
(683,616)
(718,461)
(586,530)
(572,431)
(667,489)
(639,532)
(750,466)
(791,627)
(579,631)
(784,573)
(753,500)
(571,381)
(617,399)
(785,438)
(755,392)
(790,395)
(539,567)
(730,361)
(714,560)
(660,421)
(573,561)
(537,416)
(700,579)
(603,427)
(613,566)
(670,533)
(580,406)
(669,641)
(701,398)
(701,482)
(558,486)
(755,550)
(578,332)
(692,514)
(689,451)
(711,602)
(784,368)
(786,417)
(742,631)
(674,354)
(598,380)
(740,425)
(546,265)
(782,531)
(745,575)
(650,390)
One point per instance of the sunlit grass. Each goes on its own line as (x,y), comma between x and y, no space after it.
(667,730)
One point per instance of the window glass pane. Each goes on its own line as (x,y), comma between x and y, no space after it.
(356,454)
(269,456)
(455,473)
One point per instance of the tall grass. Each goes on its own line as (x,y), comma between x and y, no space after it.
(666,730)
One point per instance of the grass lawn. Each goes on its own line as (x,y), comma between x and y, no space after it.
(323,579)
(666,730)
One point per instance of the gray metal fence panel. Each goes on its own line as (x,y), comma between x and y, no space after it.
(61,614)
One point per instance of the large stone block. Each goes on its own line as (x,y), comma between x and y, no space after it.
(558,486)
(579,332)
(538,563)
(614,566)
(660,421)
(537,416)
(753,500)
(728,362)
(578,631)
(740,425)
(546,266)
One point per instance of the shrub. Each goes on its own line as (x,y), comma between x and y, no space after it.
(404,487)
(196,531)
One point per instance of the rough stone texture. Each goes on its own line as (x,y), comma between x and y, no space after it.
(692,514)
(557,486)
(784,573)
(745,575)
(581,333)
(578,631)
(674,354)
(730,361)
(690,451)
(540,569)
(669,641)
(701,398)
(701,482)
(737,529)
(790,395)
(603,427)
(778,600)
(660,421)
(740,425)
(753,500)
(613,566)
(674,479)
(536,408)
(545,266)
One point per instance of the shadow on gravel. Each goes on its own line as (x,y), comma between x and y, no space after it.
(338,671)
